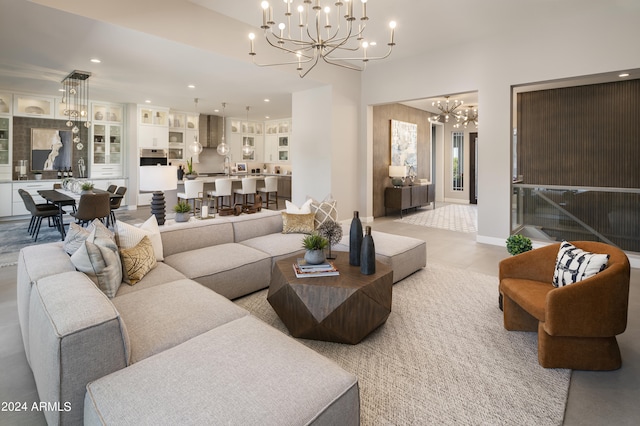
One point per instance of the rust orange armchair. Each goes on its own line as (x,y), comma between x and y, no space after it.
(577,324)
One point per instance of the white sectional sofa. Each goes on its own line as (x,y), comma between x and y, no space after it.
(169,350)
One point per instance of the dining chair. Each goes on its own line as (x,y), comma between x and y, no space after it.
(112,188)
(270,187)
(115,203)
(193,190)
(223,189)
(248,188)
(93,206)
(38,211)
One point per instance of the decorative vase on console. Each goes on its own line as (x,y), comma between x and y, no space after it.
(355,240)
(368,254)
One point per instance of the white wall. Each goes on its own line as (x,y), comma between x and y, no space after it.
(325,154)
(598,40)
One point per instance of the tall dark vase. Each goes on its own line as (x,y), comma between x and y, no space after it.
(355,240)
(368,254)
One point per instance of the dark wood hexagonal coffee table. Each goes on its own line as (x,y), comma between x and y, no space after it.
(343,308)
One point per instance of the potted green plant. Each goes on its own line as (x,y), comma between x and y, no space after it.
(87,188)
(191,174)
(182,210)
(314,244)
(517,244)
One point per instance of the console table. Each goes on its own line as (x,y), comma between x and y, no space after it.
(408,197)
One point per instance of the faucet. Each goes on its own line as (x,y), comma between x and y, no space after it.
(227,165)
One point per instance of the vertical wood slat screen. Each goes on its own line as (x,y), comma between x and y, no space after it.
(581,136)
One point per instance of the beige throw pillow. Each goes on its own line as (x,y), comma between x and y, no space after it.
(324,211)
(138,261)
(129,236)
(98,257)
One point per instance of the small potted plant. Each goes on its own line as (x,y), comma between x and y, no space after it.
(182,210)
(314,244)
(87,188)
(517,244)
(191,174)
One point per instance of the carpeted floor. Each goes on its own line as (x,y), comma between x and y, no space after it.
(454,217)
(443,357)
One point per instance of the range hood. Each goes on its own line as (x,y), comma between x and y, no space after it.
(210,130)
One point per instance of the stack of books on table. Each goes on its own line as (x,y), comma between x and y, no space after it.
(304,269)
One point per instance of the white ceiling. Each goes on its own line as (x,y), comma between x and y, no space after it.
(154,49)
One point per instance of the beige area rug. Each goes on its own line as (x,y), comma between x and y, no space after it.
(443,357)
(454,217)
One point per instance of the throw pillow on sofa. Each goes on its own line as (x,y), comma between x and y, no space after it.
(324,210)
(574,265)
(298,223)
(293,209)
(77,235)
(138,261)
(129,236)
(98,257)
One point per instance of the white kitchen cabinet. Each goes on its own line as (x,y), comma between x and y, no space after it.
(6,146)
(32,187)
(277,141)
(153,127)
(107,145)
(33,106)
(6,208)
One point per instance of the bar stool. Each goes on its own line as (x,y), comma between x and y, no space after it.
(223,189)
(193,190)
(270,186)
(248,188)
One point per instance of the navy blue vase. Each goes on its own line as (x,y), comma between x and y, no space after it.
(368,254)
(355,240)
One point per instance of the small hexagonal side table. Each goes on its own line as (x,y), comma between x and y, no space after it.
(344,308)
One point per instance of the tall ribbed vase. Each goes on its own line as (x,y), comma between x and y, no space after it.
(368,254)
(355,240)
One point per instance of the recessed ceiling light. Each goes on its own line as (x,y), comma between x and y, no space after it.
(267,117)
(191,86)
(96,60)
(267,100)
(147,101)
(60,90)
(216,110)
(624,74)
(373,43)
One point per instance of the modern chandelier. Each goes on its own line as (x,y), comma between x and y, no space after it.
(446,110)
(76,103)
(324,33)
(469,116)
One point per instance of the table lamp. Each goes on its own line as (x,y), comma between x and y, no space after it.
(397,175)
(158,179)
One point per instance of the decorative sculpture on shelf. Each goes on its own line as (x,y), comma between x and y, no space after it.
(332,231)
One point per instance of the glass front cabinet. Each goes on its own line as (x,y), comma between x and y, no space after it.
(5,148)
(107,147)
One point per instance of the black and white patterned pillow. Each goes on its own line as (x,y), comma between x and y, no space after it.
(574,264)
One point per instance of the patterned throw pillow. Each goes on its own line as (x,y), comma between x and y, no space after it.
(138,261)
(98,258)
(297,223)
(129,236)
(324,211)
(75,238)
(574,264)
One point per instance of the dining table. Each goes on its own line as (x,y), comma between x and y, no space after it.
(65,198)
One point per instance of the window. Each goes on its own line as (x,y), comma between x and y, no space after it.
(457,164)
